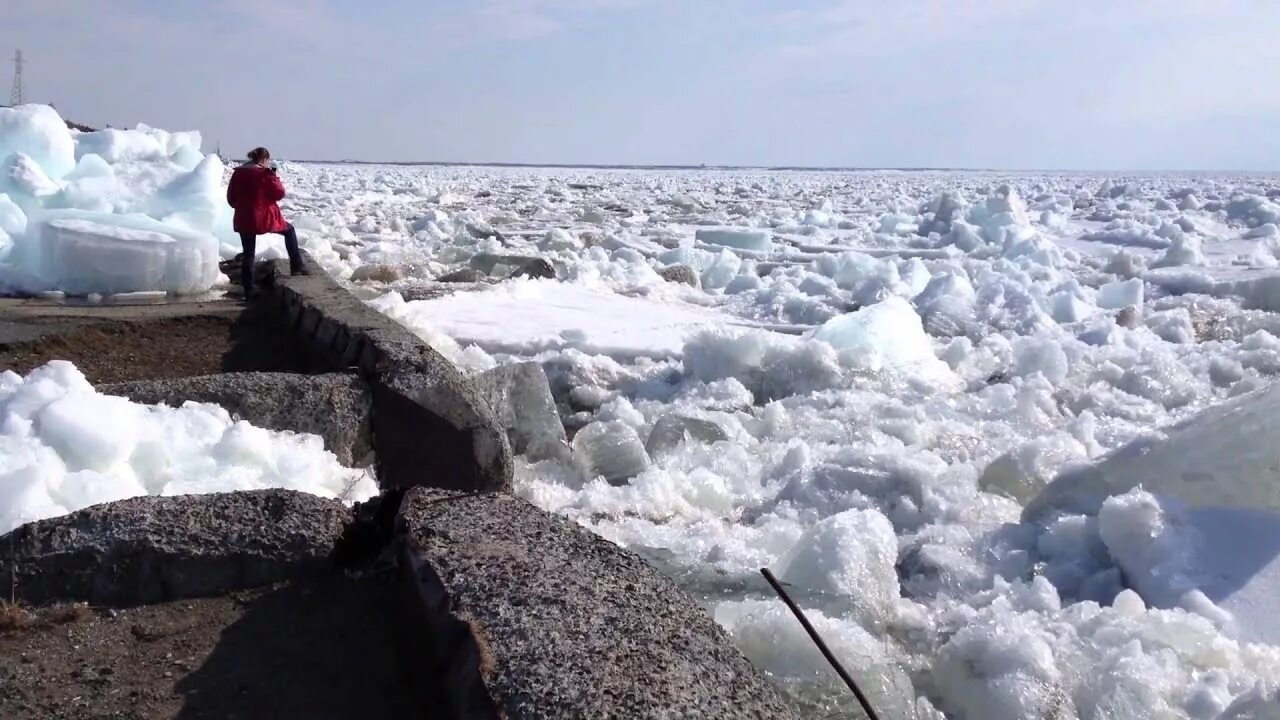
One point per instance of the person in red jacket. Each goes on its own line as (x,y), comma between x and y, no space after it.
(254,191)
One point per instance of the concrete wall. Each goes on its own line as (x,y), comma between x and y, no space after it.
(153,549)
(430,425)
(336,406)
(526,615)
(506,611)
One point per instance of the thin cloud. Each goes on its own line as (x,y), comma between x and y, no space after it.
(994,83)
(537,18)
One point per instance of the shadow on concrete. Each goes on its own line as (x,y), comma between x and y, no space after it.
(255,343)
(120,344)
(306,650)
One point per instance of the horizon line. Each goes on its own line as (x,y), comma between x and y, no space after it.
(761,168)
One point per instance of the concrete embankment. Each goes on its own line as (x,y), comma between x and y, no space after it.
(494,608)
(432,426)
(532,616)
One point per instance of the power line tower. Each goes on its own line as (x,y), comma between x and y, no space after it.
(15,95)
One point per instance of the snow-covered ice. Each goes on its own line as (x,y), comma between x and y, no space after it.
(81,252)
(740,239)
(1215,458)
(872,378)
(536,315)
(39,133)
(65,447)
(886,336)
(113,211)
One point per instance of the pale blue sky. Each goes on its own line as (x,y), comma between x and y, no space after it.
(1050,84)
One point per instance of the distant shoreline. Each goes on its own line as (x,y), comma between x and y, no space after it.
(764,168)
(592,166)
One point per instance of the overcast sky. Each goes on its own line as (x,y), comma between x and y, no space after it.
(1035,84)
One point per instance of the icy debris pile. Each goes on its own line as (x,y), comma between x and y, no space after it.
(887,335)
(860,381)
(107,212)
(1003,217)
(64,446)
(142,143)
(852,554)
(770,636)
(1150,548)
(1224,456)
(39,134)
(609,450)
(673,429)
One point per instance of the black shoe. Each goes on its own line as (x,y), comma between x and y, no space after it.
(295,271)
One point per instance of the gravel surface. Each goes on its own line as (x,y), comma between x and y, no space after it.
(316,649)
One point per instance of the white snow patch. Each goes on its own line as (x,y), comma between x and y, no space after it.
(531,316)
(64,447)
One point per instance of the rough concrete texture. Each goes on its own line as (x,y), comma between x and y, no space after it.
(426,436)
(680,274)
(154,549)
(338,407)
(556,622)
(431,426)
(521,400)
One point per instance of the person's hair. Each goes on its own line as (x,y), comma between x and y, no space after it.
(259,154)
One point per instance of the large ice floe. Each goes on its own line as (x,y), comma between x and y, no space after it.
(64,446)
(113,211)
(107,212)
(1004,435)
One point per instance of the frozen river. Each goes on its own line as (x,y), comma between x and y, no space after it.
(953,341)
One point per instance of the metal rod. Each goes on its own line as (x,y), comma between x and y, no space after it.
(822,646)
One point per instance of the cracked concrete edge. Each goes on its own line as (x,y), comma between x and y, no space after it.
(431,425)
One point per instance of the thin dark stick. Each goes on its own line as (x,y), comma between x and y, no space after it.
(822,646)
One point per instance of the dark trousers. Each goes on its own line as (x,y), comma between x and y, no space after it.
(249,242)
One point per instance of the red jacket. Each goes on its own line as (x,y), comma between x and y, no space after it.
(254,192)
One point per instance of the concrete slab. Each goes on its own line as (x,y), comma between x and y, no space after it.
(554,621)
